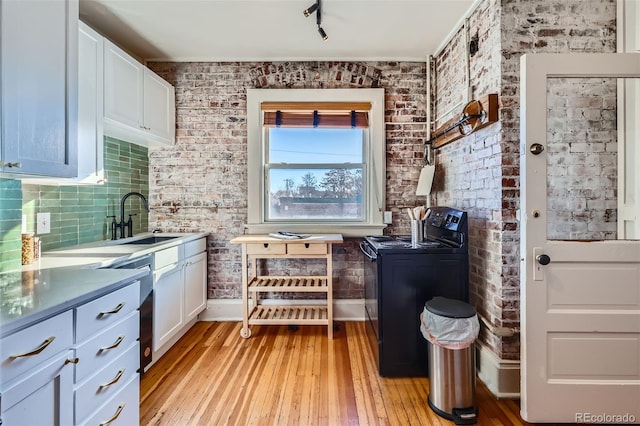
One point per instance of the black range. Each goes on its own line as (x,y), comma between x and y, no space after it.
(400,279)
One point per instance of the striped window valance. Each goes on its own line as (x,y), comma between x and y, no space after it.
(316,114)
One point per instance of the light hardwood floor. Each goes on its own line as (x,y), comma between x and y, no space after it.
(212,376)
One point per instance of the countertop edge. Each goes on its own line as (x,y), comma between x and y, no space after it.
(30,319)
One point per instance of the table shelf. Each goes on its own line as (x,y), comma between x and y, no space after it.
(289,284)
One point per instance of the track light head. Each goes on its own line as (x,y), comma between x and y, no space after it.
(310,9)
(322,33)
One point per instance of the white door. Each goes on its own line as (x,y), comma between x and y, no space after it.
(580,280)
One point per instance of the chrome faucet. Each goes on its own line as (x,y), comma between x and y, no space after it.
(129,224)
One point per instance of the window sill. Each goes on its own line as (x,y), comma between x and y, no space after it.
(346,230)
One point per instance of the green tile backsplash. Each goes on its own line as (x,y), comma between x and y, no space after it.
(10,224)
(79,212)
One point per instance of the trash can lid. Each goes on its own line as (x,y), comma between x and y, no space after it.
(450,308)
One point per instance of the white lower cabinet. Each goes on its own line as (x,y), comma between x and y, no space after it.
(76,367)
(108,352)
(36,372)
(42,397)
(106,383)
(195,293)
(179,291)
(167,304)
(121,409)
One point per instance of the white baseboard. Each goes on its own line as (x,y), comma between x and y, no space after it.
(231,309)
(502,377)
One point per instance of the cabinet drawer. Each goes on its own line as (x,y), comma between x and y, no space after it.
(167,257)
(99,388)
(30,339)
(306,248)
(266,248)
(122,409)
(105,311)
(194,247)
(106,346)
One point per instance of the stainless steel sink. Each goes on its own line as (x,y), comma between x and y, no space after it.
(150,240)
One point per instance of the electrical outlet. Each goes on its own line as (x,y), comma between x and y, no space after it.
(388,217)
(43,223)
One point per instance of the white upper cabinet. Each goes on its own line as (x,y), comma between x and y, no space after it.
(90,106)
(139,106)
(122,87)
(39,57)
(159,107)
(90,113)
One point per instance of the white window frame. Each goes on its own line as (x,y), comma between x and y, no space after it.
(374,199)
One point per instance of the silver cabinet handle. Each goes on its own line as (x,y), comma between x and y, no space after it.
(114,311)
(17,165)
(113,381)
(71,361)
(37,350)
(115,416)
(115,345)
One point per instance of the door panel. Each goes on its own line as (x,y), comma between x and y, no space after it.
(580,303)
(603,356)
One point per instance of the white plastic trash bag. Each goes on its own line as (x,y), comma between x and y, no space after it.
(449,333)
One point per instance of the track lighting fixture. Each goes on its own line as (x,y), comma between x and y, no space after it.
(317,9)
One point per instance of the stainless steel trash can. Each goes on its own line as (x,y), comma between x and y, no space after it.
(452,367)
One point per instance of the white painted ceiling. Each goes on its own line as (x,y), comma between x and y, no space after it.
(275,30)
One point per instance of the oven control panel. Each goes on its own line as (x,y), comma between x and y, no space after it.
(447,218)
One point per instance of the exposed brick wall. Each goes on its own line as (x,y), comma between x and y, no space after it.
(480,173)
(200,184)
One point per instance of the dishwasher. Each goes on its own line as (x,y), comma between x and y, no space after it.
(146,306)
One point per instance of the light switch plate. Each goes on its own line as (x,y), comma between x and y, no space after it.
(388,217)
(43,223)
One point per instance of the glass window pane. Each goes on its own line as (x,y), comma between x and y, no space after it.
(314,145)
(592,130)
(317,194)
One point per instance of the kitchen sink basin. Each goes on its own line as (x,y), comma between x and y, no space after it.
(150,240)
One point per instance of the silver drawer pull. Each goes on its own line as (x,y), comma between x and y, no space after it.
(112,382)
(115,416)
(115,345)
(71,361)
(114,311)
(37,350)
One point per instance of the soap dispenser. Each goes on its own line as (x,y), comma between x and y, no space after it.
(114,227)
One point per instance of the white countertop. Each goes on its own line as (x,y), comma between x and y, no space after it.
(64,278)
(105,253)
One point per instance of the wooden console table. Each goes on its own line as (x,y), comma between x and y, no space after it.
(316,246)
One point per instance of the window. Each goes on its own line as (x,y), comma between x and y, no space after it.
(316,160)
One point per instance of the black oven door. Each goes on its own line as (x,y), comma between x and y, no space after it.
(371,286)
